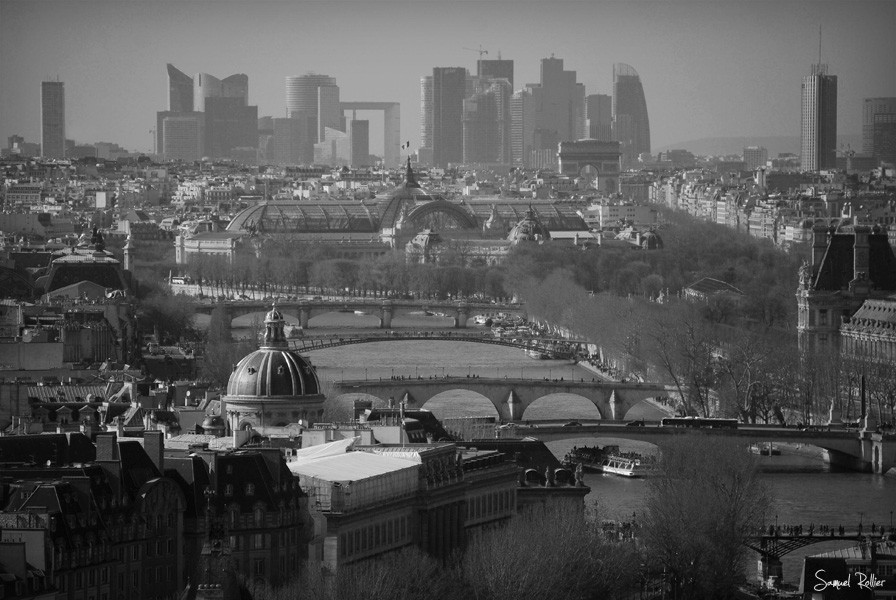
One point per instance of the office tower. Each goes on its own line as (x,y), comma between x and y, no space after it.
(495,69)
(329,112)
(755,157)
(818,137)
(631,127)
(359,136)
(288,144)
(183,134)
(449,88)
(180,90)
(303,98)
(599,115)
(486,122)
(884,138)
(208,86)
(425,119)
(229,124)
(522,127)
(870,108)
(52,119)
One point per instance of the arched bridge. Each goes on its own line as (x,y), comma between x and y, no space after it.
(855,450)
(548,347)
(511,397)
(384,310)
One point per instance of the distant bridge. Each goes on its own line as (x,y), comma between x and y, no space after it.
(384,310)
(550,347)
(511,397)
(855,450)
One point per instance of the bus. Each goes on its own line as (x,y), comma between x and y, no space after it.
(700,422)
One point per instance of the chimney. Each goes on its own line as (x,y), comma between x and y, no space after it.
(819,243)
(861,251)
(154,445)
(107,447)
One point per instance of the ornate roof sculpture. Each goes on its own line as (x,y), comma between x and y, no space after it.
(529,229)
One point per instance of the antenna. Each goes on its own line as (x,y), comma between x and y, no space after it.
(819,43)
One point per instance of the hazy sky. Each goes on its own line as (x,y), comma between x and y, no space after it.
(720,68)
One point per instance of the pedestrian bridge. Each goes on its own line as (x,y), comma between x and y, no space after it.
(550,347)
(385,310)
(510,396)
(855,450)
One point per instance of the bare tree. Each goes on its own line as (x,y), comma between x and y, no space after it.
(706,499)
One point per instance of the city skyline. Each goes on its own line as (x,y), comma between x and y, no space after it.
(116,80)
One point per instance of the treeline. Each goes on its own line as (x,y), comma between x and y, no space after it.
(692,250)
(756,374)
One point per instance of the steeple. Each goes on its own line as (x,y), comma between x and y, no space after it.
(410,180)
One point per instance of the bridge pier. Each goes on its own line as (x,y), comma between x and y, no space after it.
(304,314)
(227,322)
(844,461)
(770,567)
(386,315)
(461,316)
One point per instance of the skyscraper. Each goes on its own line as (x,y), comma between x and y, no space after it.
(449,87)
(870,108)
(599,113)
(495,69)
(52,119)
(424,154)
(631,127)
(522,127)
(486,122)
(818,136)
(302,96)
(180,90)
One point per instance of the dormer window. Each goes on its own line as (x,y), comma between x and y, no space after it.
(250,489)
(228,489)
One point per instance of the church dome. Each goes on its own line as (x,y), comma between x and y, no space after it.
(273,371)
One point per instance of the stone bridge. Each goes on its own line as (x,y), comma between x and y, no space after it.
(550,347)
(384,310)
(855,450)
(511,397)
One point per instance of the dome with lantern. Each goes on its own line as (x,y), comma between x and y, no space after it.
(273,386)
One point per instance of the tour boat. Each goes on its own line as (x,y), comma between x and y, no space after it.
(616,465)
(537,354)
(360,312)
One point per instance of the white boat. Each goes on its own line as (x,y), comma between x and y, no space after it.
(360,312)
(537,354)
(616,465)
(480,319)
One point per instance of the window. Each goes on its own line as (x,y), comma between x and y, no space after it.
(250,489)
(258,566)
(228,489)
(823,317)
(79,580)
(257,541)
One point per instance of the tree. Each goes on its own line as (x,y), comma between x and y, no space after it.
(707,498)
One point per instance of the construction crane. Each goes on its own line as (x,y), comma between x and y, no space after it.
(479,50)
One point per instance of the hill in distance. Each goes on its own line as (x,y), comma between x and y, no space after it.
(776,144)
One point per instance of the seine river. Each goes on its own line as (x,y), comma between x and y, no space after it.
(804,491)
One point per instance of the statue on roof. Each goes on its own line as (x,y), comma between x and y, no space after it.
(410,180)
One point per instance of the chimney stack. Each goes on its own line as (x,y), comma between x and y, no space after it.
(154,445)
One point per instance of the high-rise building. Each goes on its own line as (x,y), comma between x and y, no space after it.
(449,88)
(288,143)
(522,127)
(870,108)
(486,122)
(495,69)
(818,137)
(180,90)
(303,98)
(426,116)
(755,157)
(631,126)
(883,145)
(52,119)
(599,114)
(329,111)
(559,103)
(183,135)
(229,124)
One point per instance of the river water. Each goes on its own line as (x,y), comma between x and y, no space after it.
(803,489)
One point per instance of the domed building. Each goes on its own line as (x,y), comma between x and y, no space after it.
(529,229)
(273,386)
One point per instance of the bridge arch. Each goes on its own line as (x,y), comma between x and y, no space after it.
(460,402)
(569,405)
(463,218)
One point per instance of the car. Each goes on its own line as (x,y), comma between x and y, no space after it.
(638,423)
(572,424)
